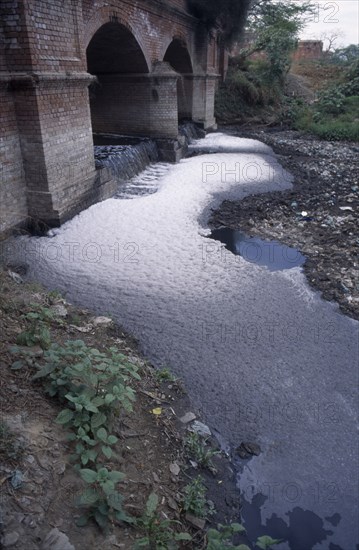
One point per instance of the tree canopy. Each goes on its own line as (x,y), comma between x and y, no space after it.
(275,26)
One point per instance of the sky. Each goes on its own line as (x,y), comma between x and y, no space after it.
(340,15)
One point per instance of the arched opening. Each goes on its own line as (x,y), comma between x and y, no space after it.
(178,57)
(119,99)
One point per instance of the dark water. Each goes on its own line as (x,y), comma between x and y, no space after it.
(272,254)
(116,139)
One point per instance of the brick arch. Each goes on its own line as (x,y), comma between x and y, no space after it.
(178,56)
(180,37)
(107,14)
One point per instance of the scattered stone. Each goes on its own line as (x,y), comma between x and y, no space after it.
(9,539)
(172,504)
(17,479)
(175,469)
(15,277)
(86,328)
(200,429)
(97,321)
(196,522)
(56,540)
(59,310)
(188,417)
(326,185)
(246,450)
(60,468)
(29,522)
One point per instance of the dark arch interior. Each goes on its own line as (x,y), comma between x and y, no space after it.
(119,99)
(178,57)
(114,49)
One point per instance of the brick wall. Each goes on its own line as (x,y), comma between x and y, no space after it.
(47,163)
(308,50)
(13,203)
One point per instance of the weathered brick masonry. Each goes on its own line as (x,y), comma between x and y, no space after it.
(71,68)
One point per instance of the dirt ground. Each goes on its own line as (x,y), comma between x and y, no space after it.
(319,216)
(150,450)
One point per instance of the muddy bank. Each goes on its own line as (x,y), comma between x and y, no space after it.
(319,216)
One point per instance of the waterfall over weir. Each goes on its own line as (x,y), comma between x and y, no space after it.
(134,165)
(134,161)
(126,161)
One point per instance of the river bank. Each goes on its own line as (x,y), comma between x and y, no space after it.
(319,216)
(258,350)
(39,485)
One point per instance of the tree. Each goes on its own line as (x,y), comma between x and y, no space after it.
(275,27)
(330,37)
(227,15)
(346,56)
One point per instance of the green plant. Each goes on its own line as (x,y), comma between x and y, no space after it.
(196,448)
(94,387)
(101,499)
(165,375)
(37,327)
(221,538)
(275,26)
(331,101)
(266,542)
(195,501)
(54,296)
(159,533)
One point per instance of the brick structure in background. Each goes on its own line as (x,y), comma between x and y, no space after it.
(71,68)
(308,50)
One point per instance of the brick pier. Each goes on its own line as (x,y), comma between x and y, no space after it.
(73,68)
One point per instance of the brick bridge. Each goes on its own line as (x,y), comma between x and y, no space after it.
(73,68)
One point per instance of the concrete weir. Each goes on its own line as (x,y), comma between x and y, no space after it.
(71,69)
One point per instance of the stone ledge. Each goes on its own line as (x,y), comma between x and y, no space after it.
(21,81)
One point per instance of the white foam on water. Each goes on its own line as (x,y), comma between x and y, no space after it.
(257,349)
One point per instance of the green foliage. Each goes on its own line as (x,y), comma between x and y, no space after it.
(221,538)
(291,109)
(196,448)
(330,101)
(165,375)
(330,125)
(275,26)
(335,131)
(345,56)
(38,320)
(94,387)
(335,114)
(195,501)
(54,296)
(160,534)
(37,331)
(266,542)
(255,88)
(102,501)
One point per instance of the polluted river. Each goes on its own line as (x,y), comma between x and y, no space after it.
(262,356)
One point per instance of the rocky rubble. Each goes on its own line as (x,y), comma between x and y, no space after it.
(319,216)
